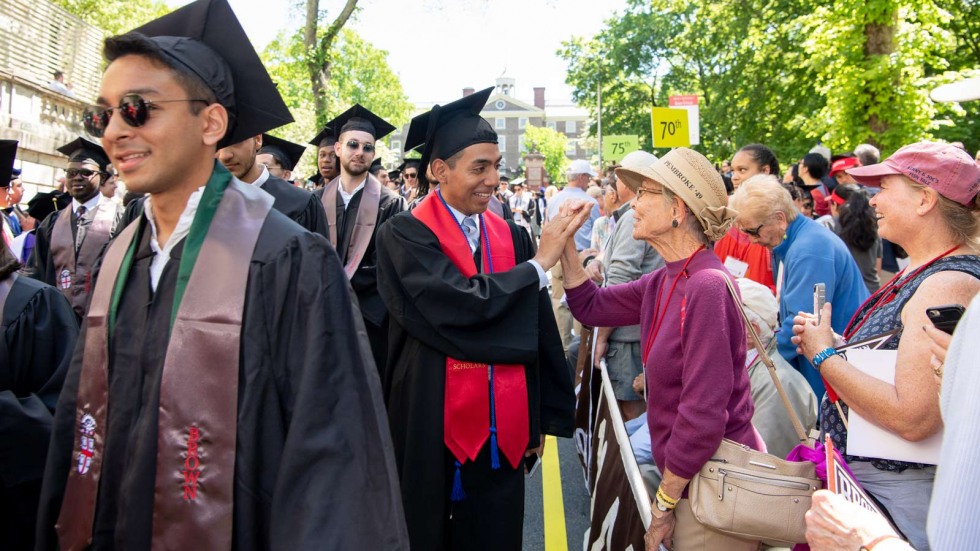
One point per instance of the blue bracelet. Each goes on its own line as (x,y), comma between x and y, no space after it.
(822,356)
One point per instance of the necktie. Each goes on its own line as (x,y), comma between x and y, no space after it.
(472,235)
(79,215)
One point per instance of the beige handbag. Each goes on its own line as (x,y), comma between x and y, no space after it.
(751,494)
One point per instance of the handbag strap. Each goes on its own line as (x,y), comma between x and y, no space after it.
(797,425)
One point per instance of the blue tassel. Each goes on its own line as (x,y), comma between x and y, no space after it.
(494,452)
(457,494)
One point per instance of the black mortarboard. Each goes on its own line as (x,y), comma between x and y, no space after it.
(82,149)
(8,153)
(43,204)
(414,163)
(207,40)
(451,128)
(360,118)
(394,174)
(326,138)
(376,166)
(286,152)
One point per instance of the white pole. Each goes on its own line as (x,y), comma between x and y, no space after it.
(598,92)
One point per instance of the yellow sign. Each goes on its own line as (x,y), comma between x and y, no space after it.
(614,148)
(670,127)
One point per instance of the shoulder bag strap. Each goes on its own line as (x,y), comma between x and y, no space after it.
(797,425)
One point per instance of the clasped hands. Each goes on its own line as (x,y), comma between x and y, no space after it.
(559,230)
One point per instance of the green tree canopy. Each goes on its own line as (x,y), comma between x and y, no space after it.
(115,16)
(551,144)
(359,74)
(782,72)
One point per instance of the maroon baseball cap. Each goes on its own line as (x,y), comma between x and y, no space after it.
(947,169)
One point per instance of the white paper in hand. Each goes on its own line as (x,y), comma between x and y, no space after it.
(866,439)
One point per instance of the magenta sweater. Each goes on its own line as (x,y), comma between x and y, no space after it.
(696,376)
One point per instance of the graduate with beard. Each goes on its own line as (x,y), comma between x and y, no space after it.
(69,244)
(36,341)
(297,204)
(467,296)
(223,396)
(357,205)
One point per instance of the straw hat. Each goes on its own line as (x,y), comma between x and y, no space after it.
(690,176)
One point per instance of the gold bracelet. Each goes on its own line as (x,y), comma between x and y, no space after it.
(662,496)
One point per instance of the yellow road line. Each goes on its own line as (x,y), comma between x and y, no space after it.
(555,538)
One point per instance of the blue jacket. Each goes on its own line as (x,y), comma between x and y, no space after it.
(813,254)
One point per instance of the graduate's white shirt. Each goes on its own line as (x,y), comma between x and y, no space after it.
(162,255)
(348,196)
(542,277)
(263,178)
(89,205)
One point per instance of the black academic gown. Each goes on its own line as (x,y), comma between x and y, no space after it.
(313,465)
(365,280)
(500,318)
(39,331)
(298,205)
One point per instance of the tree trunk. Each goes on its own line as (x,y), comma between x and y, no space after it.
(880,41)
(318,53)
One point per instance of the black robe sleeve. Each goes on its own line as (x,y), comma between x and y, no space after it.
(37,346)
(40,265)
(298,205)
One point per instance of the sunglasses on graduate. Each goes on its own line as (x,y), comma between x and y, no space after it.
(71,173)
(410,175)
(133,109)
(353,145)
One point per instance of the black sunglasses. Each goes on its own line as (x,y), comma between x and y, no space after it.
(133,109)
(753,232)
(354,144)
(410,175)
(83,172)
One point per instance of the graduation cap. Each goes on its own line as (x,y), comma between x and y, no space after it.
(286,152)
(376,166)
(43,204)
(409,163)
(360,118)
(206,39)
(326,138)
(84,150)
(394,174)
(8,153)
(449,129)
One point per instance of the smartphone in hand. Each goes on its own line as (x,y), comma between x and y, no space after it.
(819,299)
(531,464)
(945,318)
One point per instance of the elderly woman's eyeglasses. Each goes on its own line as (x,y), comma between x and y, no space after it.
(641,190)
(754,232)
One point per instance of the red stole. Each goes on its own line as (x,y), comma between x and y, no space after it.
(472,413)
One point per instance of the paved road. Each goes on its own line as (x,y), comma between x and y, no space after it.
(540,532)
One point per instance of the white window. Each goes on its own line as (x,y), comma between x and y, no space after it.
(522,122)
(570,148)
(570,127)
(502,142)
(551,125)
(396,145)
(500,123)
(520,144)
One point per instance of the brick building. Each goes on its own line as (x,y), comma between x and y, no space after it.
(509,116)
